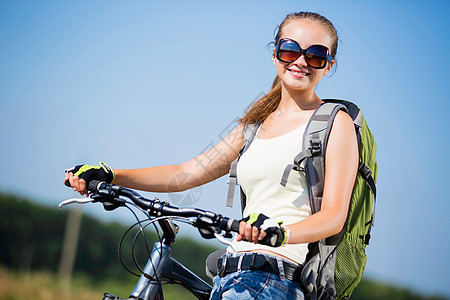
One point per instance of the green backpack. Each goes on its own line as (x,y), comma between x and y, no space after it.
(334,265)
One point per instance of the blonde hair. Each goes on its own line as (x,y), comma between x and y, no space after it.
(268,103)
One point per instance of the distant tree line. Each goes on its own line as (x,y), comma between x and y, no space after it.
(32,235)
(31,238)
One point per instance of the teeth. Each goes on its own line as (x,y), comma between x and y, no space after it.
(298,72)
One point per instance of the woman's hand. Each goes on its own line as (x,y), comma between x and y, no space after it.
(258,228)
(250,233)
(79,176)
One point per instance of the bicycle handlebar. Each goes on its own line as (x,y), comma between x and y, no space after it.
(210,224)
(205,219)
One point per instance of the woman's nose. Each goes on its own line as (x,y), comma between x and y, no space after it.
(301,60)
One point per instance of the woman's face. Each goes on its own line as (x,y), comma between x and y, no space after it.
(298,75)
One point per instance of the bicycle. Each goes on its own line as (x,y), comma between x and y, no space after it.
(160,266)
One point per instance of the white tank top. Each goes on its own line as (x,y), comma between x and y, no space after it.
(259,172)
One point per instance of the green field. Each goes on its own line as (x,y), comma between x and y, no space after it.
(40,285)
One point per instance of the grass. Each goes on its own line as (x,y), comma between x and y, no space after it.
(40,285)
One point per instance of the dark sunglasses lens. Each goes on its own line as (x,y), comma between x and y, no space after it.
(288,51)
(316,56)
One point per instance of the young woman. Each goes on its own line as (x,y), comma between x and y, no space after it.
(305,47)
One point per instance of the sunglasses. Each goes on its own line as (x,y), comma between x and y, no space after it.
(316,56)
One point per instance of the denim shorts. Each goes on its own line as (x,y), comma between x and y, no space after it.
(252,284)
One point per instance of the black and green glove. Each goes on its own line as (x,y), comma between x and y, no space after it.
(89,172)
(275,233)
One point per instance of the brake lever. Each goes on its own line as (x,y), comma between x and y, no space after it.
(109,201)
(223,240)
(75,200)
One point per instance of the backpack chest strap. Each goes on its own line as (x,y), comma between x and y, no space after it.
(315,148)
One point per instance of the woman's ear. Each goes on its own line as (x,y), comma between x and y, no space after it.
(273,57)
(328,67)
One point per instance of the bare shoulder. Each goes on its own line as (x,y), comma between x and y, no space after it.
(235,139)
(342,136)
(239,128)
(343,119)
(343,125)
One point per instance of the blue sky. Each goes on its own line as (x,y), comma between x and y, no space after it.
(144,83)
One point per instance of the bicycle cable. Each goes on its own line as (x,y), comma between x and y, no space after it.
(139,222)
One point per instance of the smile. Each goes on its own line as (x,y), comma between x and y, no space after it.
(298,73)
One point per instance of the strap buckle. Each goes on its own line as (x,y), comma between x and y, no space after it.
(364,170)
(315,146)
(223,266)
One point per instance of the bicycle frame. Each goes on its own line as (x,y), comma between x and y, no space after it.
(161,266)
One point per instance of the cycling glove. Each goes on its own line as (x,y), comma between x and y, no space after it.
(89,172)
(275,233)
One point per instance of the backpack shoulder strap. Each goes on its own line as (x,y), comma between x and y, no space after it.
(248,133)
(315,140)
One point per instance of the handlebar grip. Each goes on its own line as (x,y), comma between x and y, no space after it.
(94,185)
(233,225)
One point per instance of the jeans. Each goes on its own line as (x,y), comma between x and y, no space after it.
(254,285)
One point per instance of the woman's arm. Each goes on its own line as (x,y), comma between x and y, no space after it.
(204,168)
